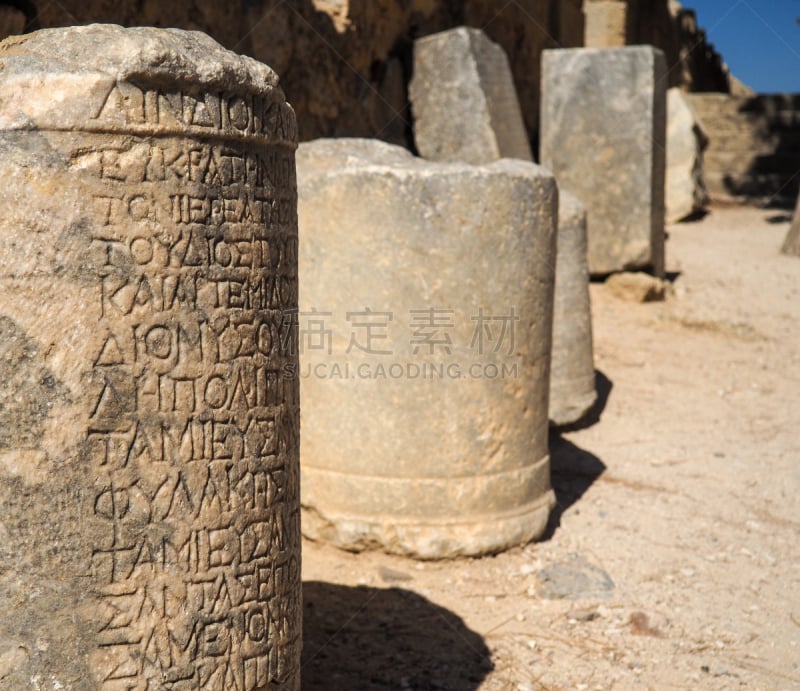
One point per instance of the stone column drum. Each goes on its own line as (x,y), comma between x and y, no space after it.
(425,322)
(603,131)
(149,510)
(572,379)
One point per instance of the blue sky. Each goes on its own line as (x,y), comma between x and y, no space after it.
(759,39)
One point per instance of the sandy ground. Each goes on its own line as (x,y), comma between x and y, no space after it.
(678,521)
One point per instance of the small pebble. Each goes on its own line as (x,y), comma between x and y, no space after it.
(391,575)
(577,615)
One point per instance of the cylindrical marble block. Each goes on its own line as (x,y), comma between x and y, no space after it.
(149,511)
(425,328)
(572,379)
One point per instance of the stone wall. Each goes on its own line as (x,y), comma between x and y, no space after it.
(344,64)
(754,145)
(692,62)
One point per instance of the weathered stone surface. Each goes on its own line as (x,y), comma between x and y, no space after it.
(572,379)
(603,130)
(637,287)
(574,578)
(463,100)
(434,444)
(752,151)
(606,23)
(461,71)
(686,190)
(791,245)
(149,459)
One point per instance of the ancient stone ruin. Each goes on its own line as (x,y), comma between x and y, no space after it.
(572,378)
(603,135)
(791,245)
(607,23)
(463,72)
(752,152)
(685,192)
(463,100)
(148,438)
(425,336)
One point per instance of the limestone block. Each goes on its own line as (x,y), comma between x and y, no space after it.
(603,136)
(464,101)
(637,287)
(686,191)
(606,23)
(149,454)
(791,245)
(572,378)
(425,334)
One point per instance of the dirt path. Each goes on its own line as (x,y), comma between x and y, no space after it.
(678,518)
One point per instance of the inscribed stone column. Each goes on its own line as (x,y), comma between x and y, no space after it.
(464,100)
(425,328)
(149,507)
(603,135)
(572,378)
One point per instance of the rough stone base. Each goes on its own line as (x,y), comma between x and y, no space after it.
(435,540)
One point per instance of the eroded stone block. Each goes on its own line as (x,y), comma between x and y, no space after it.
(685,188)
(464,101)
(149,452)
(425,329)
(572,378)
(603,136)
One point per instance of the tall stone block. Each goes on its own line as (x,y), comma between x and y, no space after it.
(464,101)
(685,191)
(572,378)
(149,457)
(603,136)
(425,329)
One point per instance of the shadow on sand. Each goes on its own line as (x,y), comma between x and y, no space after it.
(603,385)
(374,639)
(573,471)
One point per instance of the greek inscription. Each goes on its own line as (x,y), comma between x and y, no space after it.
(192,432)
(126,105)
